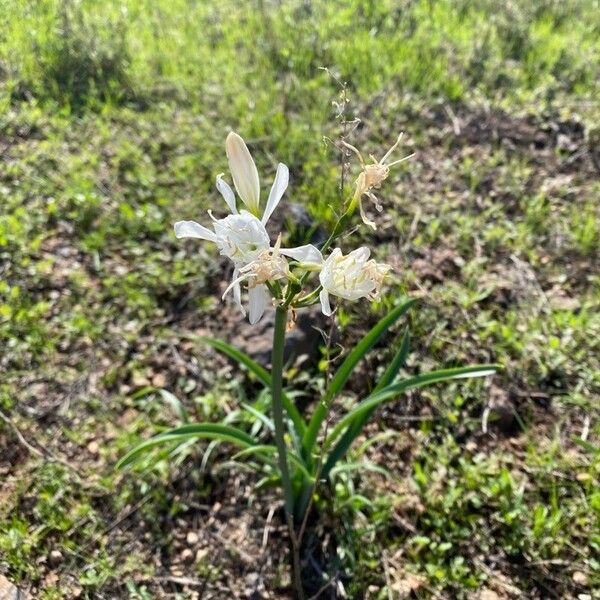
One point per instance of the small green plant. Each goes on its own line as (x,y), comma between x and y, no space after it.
(306,449)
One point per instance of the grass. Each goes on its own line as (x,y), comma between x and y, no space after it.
(112,121)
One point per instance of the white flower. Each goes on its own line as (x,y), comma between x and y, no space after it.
(350,277)
(243,226)
(269,266)
(241,236)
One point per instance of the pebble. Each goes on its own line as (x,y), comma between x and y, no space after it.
(187,555)
(580,578)
(159,380)
(192,538)
(486,594)
(93,447)
(202,554)
(139,380)
(10,592)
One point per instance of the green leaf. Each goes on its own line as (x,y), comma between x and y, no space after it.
(268,423)
(587,446)
(270,449)
(175,403)
(397,363)
(213,431)
(350,434)
(360,466)
(172,400)
(378,438)
(261,374)
(343,373)
(392,391)
(358,502)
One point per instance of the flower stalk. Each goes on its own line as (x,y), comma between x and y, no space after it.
(278,420)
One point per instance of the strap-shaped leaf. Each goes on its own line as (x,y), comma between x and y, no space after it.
(350,434)
(360,466)
(270,449)
(392,391)
(262,375)
(213,431)
(343,373)
(172,400)
(397,363)
(268,423)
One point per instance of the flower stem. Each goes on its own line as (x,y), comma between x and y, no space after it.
(277,404)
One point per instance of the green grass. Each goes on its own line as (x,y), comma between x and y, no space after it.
(112,122)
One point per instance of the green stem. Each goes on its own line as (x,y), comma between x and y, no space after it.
(309,299)
(276,391)
(277,404)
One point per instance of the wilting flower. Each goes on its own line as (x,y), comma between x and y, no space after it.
(350,277)
(372,176)
(270,265)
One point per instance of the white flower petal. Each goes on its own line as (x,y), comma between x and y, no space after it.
(243,170)
(257,299)
(325,306)
(227,193)
(191,229)
(237,279)
(336,254)
(280,184)
(360,254)
(237,291)
(242,237)
(304,254)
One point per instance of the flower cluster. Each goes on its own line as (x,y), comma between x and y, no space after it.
(242,237)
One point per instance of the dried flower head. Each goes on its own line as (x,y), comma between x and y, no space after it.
(270,265)
(372,176)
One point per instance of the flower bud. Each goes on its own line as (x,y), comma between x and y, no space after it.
(244,172)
